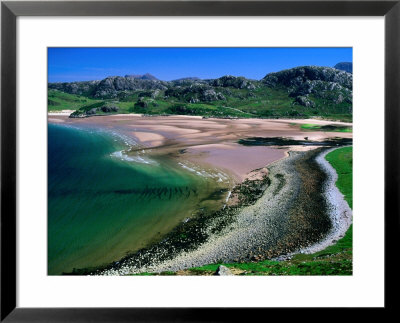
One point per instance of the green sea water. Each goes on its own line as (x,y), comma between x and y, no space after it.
(104,203)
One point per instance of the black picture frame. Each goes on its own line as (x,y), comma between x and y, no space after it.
(10,10)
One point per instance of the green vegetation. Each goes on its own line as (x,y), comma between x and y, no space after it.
(260,101)
(327,266)
(342,160)
(328,128)
(330,265)
(277,103)
(58,101)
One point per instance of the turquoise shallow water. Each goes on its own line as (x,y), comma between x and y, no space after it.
(103,204)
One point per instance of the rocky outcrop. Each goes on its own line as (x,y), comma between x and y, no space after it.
(305,101)
(94,109)
(142,103)
(318,89)
(321,82)
(79,88)
(111,86)
(195,93)
(191,89)
(109,108)
(211,95)
(296,77)
(223,271)
(188,82)
(233,81)
(91,111)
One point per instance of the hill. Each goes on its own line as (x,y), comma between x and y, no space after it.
(299,92)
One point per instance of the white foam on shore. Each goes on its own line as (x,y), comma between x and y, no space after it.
(122,155)
(128,142)
(221,177)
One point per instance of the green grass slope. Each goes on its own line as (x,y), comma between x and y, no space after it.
(262,102)
(342,160)
(57,101)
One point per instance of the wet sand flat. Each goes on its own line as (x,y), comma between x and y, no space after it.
(211,142)
(240,160)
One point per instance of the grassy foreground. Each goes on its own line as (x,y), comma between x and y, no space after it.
(334,260)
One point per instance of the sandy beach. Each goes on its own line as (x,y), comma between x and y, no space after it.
(209,142)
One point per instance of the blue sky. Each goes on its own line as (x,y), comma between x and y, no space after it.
(83,64)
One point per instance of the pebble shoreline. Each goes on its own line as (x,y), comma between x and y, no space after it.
(340,213)
(258,227)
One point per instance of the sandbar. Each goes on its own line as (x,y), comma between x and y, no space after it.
(209,142)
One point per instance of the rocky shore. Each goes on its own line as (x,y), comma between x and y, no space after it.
(339,211)
(294,210)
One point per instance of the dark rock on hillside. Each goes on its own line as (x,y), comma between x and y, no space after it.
(77,114)
(211,95)
(91,111)
(155,93)
(195,93)
(142,103)
(296,77)
(233,81)
(150,94)
(300,91)
(305,101)
(187,82)
(345,66)
(322,82)
(320,89)
(109,87)
(79,88)
(109,108)
(194,100)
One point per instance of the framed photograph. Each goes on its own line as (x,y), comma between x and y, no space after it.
(150,147)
